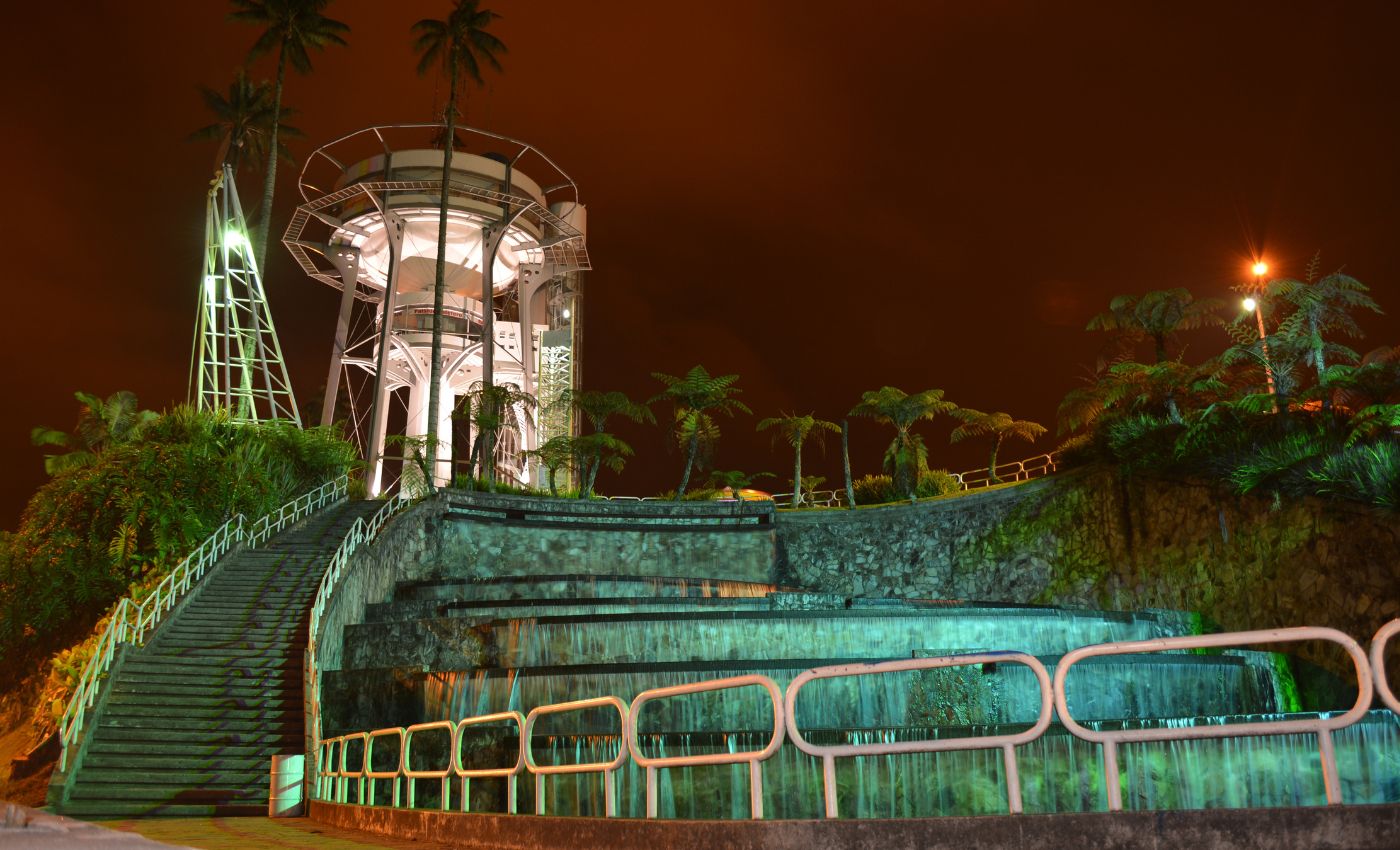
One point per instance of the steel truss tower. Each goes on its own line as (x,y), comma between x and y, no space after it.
(237,362)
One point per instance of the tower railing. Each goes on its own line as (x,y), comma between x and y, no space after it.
(132,621)
(338,775)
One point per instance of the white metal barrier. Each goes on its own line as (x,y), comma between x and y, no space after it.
(443,775)
(1323,727)
(606,768)
(1016,470)
(1006,743)
(1378,643)
(360,533)
(753,757)
(131,622)
(507,773)
(333,783)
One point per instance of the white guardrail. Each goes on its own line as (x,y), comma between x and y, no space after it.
(1011,471)
(360,533)
(337,776)
(132,622)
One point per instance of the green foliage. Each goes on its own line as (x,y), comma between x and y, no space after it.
(1366,472)
(907,455)
(880,489)
(1154,316)
(1281,415)
(140,506)
(696,397)
(243,121)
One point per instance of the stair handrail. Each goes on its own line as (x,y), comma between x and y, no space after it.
(131,622)
(360,533)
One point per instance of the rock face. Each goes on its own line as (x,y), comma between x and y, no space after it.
(1092,538)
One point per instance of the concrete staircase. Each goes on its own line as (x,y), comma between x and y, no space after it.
(193,718)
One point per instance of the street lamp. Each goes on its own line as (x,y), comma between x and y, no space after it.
(1261,268)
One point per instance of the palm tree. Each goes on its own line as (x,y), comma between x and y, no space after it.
(597,407)
(1155,316)
(489,409)
(906,455)
(999,426)
(794,430)
(697,396)
(101,424)
(598,449)
(555,454)
(243,121)
(1321,305)
(292,28)
(459,45)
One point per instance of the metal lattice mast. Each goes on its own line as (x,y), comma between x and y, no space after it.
(237,364)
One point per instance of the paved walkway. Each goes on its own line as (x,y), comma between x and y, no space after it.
(23,828)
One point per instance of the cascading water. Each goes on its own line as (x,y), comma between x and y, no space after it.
(684,631)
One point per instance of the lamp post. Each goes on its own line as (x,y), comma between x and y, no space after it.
(1260,269)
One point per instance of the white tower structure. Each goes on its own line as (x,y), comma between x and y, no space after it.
(515,246)
(237,361)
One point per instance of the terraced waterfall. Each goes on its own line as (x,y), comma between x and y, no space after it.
(496,615)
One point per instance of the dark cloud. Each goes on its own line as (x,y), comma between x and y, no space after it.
(820,196)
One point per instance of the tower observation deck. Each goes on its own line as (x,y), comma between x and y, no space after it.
(369,228)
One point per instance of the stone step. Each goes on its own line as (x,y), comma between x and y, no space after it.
(119,752)
(256,763)
(180,643)
(240,721)
(214,674)
(195,716)
(139,783)
(268,700)
(113,809)
(196,693)
(165,665)
(244,630)
(148,739)
(233,654)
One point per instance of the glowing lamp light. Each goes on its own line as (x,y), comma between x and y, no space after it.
(1260,269)
(1250,304)
(566,312)
(234,238)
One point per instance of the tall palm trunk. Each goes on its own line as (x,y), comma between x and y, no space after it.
(592,475)
(270,178)
(1319,362)
(846,465)
(992,463)
(797,475)
(905,478)
(690,451)
(449,117)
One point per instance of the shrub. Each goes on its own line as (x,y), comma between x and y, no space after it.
(137,508)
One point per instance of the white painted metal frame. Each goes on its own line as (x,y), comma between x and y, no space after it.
(131,622)
(1006,743)
(360,533)
(507,773)
(1320,726)
(1383,691)
(333,782)
(606,768)
(370,774)
(754,758)
(443,775)
(1015,470)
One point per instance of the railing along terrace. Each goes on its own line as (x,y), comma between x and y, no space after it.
(361,532)
(337,777)
(1009,472)
(131,622)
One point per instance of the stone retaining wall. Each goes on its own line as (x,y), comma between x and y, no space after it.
(1091,538)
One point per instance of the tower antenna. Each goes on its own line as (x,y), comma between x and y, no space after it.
(237,362)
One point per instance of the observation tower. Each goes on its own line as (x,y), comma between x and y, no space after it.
(369,228)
